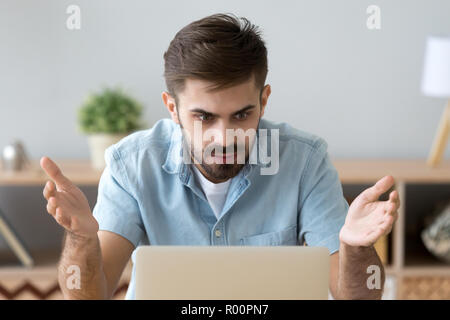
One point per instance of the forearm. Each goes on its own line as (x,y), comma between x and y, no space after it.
(353,273)
(84,255)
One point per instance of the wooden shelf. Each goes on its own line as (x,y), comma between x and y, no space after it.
(420,259)
(406,264)
(350,171)
(426,271)
(79,172)
(408,171)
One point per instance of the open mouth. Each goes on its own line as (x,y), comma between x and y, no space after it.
(225,157)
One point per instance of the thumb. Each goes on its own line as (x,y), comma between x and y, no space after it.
(55,173)
(381,186)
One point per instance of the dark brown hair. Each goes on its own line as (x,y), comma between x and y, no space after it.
(218,48)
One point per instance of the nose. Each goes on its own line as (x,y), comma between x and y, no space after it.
(222,127)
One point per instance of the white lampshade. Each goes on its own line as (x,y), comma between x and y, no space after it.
(436,72)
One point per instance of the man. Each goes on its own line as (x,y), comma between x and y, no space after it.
(215,71)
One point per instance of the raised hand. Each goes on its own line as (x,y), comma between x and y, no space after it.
(369,219)
(67,203)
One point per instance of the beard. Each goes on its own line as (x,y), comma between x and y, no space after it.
(216,171)
(223,171)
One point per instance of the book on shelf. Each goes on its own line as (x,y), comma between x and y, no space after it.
(381,247)
(14,241)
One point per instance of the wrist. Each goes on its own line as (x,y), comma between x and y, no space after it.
(347,237)
(347,246)
(80,238)
(355,250)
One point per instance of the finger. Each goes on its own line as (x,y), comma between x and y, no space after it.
(51,206)
(61,219)
(390,208)
(387,230)
(386,227)
(391,225)
(390,219)
(51,209)
(381,186)
(394,197)
(395,204)
(395,216)
(49,190)
(55,173)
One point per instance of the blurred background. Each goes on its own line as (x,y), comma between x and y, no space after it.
(358,88)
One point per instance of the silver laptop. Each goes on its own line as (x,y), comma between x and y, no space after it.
(231,272)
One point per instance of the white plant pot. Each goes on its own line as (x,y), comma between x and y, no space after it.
(98,143)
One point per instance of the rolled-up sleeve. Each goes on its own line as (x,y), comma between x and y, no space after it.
(322,206)
(116,209)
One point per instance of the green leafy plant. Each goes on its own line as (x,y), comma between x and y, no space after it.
(110,111)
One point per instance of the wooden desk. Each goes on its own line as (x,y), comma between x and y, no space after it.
(79,172)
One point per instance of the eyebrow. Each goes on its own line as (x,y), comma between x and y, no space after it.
(200,110)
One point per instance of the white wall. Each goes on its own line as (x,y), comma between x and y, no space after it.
(330,75)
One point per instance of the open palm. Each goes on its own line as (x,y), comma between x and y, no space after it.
(369,219)
(67,203)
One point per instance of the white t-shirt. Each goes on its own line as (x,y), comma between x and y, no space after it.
(216,193)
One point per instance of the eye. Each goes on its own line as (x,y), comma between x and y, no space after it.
(242,115)
(203,117)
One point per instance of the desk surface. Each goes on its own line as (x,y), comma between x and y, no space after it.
(350,171)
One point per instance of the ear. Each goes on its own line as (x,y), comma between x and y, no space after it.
(169,101)
(264,98)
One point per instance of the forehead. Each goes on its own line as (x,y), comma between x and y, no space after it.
(196,95)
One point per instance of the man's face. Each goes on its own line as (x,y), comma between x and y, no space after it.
(237,107)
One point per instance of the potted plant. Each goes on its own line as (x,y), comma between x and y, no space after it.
(107,117)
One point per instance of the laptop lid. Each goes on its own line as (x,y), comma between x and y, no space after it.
(231,272)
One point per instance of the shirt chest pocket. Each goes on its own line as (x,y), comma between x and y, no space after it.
(285,237)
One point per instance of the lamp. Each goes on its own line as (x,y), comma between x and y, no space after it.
(436,83)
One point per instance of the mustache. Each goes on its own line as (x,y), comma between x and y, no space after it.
(223,150)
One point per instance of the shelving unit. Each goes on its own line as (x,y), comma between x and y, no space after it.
(415,272)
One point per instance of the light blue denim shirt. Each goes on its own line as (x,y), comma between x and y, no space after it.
(147,195)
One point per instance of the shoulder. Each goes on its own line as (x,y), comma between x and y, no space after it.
(144,144)
(295,139)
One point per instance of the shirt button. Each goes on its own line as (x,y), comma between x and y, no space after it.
(218,233)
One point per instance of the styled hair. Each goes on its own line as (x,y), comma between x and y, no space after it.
(221,48)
